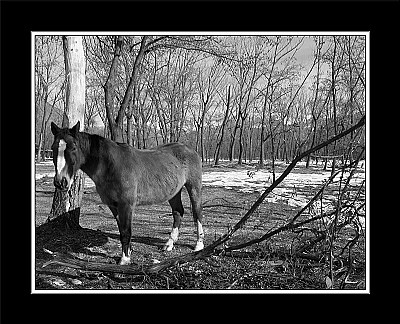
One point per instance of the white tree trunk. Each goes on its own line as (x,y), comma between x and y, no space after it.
(74,57)
(66,206)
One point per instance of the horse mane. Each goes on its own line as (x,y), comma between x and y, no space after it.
(90,147)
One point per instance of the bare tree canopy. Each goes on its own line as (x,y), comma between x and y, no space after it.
(287,92)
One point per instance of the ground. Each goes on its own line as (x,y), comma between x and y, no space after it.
(229,191)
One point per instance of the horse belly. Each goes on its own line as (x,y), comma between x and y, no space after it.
(161,189)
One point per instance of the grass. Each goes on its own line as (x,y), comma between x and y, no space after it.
(269,265)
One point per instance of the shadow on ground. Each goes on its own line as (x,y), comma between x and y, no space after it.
(54,239)
(85,241)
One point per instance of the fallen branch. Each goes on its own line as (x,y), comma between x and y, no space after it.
(263,255)
(76,263)
(329,157)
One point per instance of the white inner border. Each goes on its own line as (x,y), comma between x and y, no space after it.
(217,33)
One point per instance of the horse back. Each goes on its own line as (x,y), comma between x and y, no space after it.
(189,159)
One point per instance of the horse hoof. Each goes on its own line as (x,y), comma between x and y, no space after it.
(168,247)
(199,246)
(125,260)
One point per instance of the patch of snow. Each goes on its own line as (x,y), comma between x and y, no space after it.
(47,162)
(293,190)
(76,281)
(42,175)
(58,282)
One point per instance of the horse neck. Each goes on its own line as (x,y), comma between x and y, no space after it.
(89,145)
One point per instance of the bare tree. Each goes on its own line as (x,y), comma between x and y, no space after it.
(48,84)
(208,81)
(278,71)
(66,205)
(314,113)
(116,125)
(222,128)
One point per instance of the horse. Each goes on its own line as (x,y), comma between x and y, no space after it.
(126,177)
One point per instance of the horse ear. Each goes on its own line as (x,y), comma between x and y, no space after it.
(74,130)
(54,129)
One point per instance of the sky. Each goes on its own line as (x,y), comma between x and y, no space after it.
(305,53)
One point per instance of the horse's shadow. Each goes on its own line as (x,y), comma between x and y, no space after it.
(157,242)
(83,240)
(148,240)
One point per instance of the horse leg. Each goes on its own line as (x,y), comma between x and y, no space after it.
(194,192)
(123,214)
(177,211)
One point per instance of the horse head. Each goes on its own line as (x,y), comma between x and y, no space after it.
(67,155)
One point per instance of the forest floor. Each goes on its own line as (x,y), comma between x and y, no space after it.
(229,191)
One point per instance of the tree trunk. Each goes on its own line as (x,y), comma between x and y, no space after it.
(130,93)
(218,148)
(129,132)
(334,104)
(240,157)
(40,153)
(109,88)
(313,140)
(315,119)
(117,125)
(203,117)
(272,142)
(262,140)
(250,141)
(202,139)
(43,102)
(233,139)
(66,205)
(327,136)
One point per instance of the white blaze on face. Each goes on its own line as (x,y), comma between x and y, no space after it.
(60,157)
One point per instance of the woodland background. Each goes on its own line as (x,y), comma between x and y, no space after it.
(239,98)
